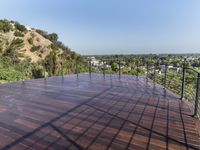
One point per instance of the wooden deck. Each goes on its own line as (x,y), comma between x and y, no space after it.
(94,113)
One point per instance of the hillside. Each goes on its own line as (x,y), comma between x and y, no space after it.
(33,44)
(20,44)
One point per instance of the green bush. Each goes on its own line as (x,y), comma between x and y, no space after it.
(32,34)
(17,43)
(9,74)
(20,27)
(109,71)
(5,62)
(18,34)
(5,26)
(30,41)
(137,71)
(38,73)
(37,39)
(53,37)
(35,48)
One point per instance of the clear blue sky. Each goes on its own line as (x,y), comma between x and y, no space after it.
(113,26)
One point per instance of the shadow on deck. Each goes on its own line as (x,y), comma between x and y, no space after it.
(94,113)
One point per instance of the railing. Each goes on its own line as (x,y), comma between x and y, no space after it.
(183,81)
(190,88)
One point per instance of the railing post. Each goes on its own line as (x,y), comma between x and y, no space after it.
(44,72)
(165,77)
(154,72)
(62,69)
(197,95)
(77,71)
(183,84)
(137,69)
(103,69)
(119,69)
(22,72)
(147,71)
(90,67)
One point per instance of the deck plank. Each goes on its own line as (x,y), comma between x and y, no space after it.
(94,113)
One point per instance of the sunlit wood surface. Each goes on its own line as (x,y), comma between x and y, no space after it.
(93,112)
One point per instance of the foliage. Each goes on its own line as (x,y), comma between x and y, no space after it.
(16,43)
(30,41)
(13,50)
(15,66)
(53,37)
(35,48)
(109,71)
(9,74)
(37,71)
(137,72)
(20,27)
(5,26)
(18,34)
(114,66)
(51,63)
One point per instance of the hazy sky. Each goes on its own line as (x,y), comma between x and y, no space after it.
(113,26)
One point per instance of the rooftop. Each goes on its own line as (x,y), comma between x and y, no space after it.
(93,112)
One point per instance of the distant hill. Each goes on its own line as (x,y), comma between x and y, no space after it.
(35,47)
(28,42)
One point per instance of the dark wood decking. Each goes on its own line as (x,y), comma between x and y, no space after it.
(94,113)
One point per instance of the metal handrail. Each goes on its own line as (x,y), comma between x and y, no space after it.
(189,68)
(164,78)
(183,90)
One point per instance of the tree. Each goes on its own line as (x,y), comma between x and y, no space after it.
(51,63)
(14,49)
(20,27)
(114,66)
(53,37)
